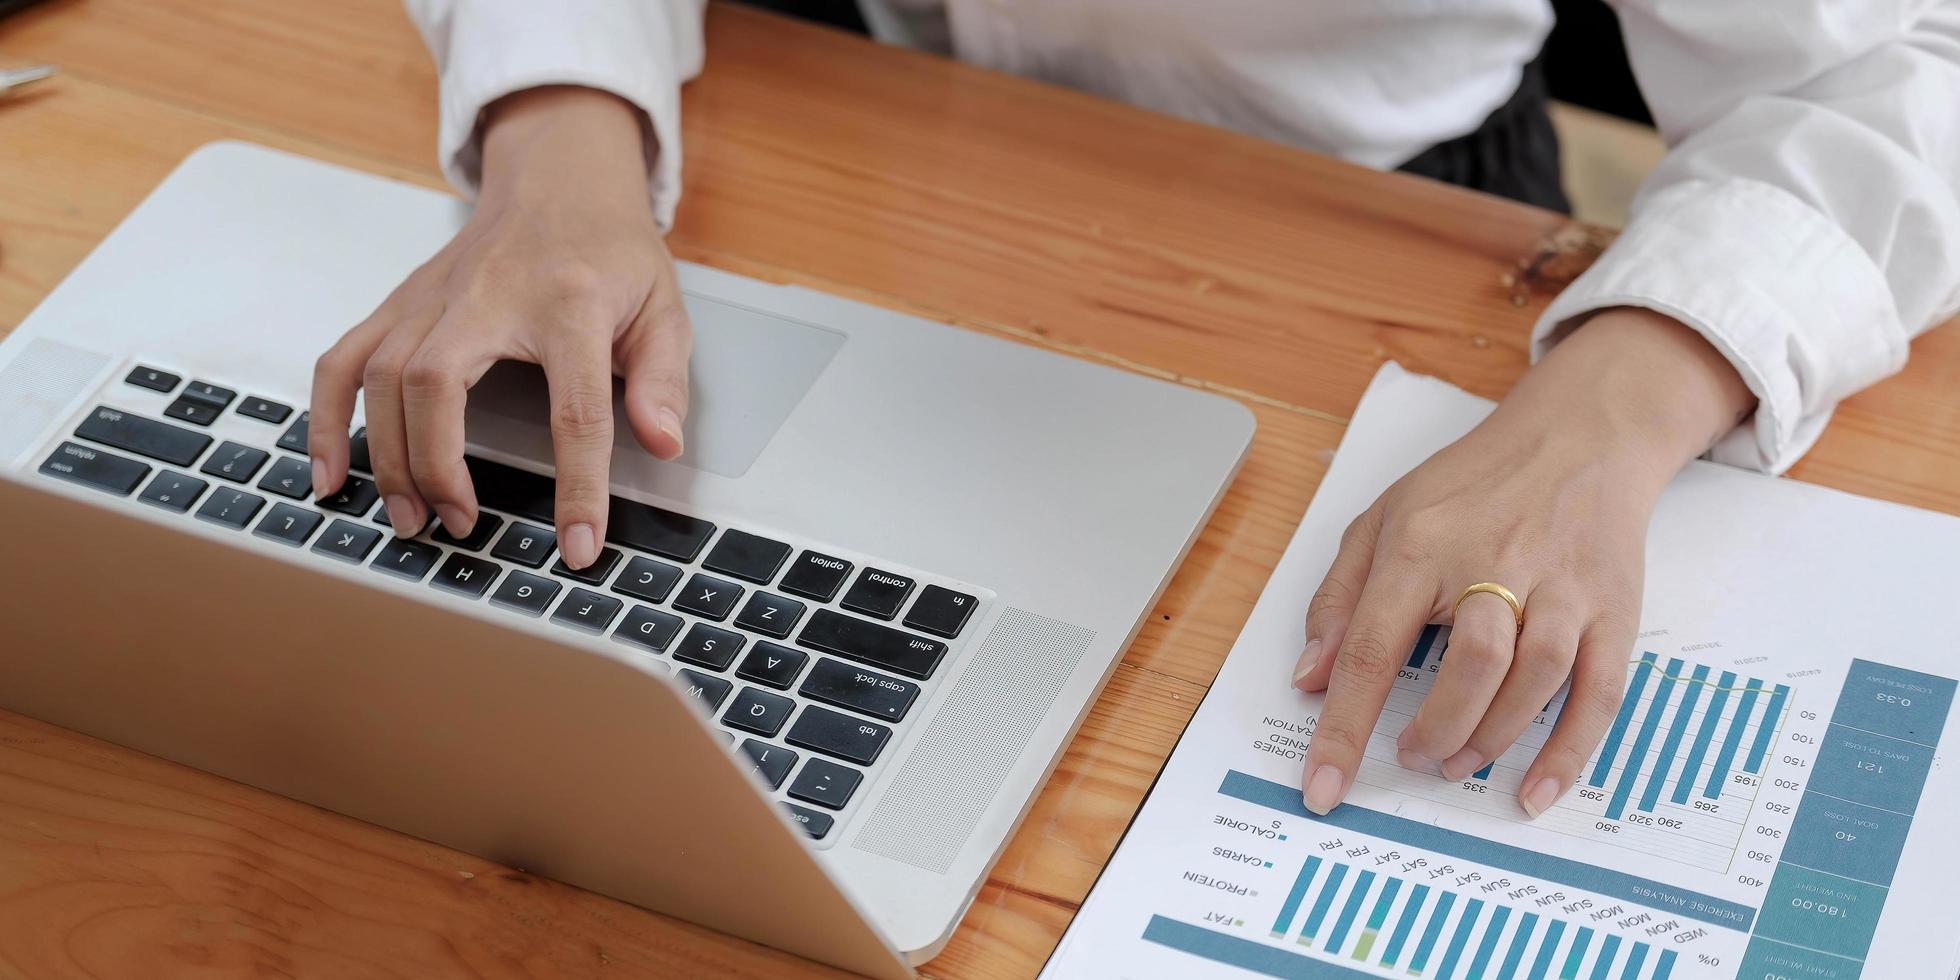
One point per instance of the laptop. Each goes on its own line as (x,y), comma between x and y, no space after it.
(829,658)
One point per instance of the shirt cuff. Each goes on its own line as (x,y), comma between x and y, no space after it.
(481,70)
(1791,300)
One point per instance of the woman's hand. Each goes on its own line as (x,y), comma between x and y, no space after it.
(1550,497)
(561,265)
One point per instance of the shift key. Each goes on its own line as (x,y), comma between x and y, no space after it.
(143,436)
(872,643)
(95,468)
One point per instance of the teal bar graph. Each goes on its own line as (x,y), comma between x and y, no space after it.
(1460,939)
(1607,950)
(1356,895)
(1291,906)
(1770,714)
(1570,971)
(1366,944)
(1543,964)
(1322,904)
(1526,926)
(1635,958)
(1410,910)
(1430,933)
(1664,968)
(1614,735)
(1709,722)
(1484,773)
(1420,654)
(1690,696)
(1720,774)
(1488,947)
(1638,755)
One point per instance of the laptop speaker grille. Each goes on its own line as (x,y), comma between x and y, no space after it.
(930,809)
(38,388)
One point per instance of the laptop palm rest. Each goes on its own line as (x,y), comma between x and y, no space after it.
(491,738)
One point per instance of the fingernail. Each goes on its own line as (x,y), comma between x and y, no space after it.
(581,546)
(1324,789)
(319,477)
(1308,659)
(1465,762)
(455,520)
(669,423)
(1417,762)
(403,516)
(1540,796)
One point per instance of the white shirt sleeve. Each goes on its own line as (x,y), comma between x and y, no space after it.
(639,50)
(1807,219)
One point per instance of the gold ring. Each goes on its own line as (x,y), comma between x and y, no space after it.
(1517,608)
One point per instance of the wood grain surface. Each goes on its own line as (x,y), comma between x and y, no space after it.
(1052,218)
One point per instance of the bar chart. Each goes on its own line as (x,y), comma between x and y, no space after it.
(1675,776)
(1389,925)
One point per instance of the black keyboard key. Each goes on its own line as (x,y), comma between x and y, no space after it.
(288,477)
(525,544)
(142,436)
(354,497)
(292,525)
(835,733)
(816,576)
(172,491)
(191,410)
(95,468)
(814,823)
(527,593)
(264,409)
(153,379)
(409,559)
(358,456)
(826,783)
(772,762)
(210,394)
(756,710)
(647,528)
(747,556)
(872,643)
(709,646)
(941,611)
(648,628)
(465,575)
(836,682)
(347,541)
(235,462)
(231,508)
(708,597)
(770,614)
(709,690)
(647,579)
(512,490)
(294,441)
(772,664)
(486,527)
(593,574)
(587,610)
(877,593)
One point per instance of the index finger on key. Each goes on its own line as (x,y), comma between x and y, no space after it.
(1393,607)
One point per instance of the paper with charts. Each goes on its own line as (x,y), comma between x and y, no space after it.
(1774,800)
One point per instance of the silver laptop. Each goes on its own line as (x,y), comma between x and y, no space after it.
(826,664)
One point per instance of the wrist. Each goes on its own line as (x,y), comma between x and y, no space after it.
(544,141)
(1639,388)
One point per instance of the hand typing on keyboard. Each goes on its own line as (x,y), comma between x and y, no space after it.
(561,265)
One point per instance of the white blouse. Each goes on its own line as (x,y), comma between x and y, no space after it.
(1806,220)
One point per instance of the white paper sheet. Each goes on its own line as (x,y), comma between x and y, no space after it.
(1819,630)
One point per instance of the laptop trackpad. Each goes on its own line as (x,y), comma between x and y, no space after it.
(749,370)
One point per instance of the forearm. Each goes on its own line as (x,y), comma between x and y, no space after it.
(1634,386)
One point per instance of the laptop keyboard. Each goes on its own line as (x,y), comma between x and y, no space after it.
(803,658)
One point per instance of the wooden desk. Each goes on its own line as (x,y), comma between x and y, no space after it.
(1056,219)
